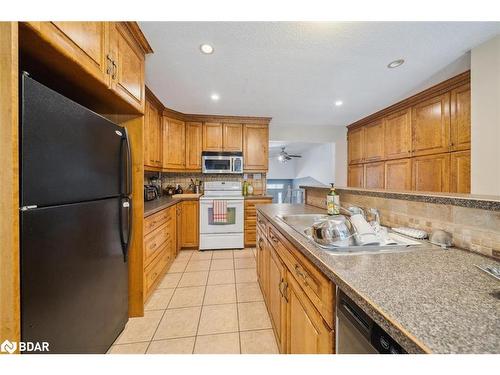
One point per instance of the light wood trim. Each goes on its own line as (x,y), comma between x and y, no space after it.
(436,90)
(10,319)
(139,37)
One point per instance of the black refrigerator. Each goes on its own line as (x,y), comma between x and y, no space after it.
(75,215)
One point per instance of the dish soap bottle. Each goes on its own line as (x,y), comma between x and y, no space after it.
(333,201)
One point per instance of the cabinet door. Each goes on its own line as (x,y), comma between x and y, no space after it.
(460,172)
(178,227)
(431,126)
(212,136)
(276,299)
(398,174)
(193,145)
(85,42)
(174,143)
(356,176)
(233,137)
(127,75)
(259,247)
(255,147)
(373,141)
(306,331)
(374,175)
(397,135)
(152,137)
(355,140)
(189,224)
(460,118)
(431,173)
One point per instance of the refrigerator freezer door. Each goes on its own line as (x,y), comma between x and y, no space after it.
(74,281)
(69,153)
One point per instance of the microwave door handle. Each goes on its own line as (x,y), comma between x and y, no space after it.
(231,164)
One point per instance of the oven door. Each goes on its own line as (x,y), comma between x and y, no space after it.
(217,164)
(234,223)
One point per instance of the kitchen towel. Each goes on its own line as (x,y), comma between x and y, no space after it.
(219,210)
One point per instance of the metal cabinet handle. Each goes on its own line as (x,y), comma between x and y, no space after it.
(300,272)
(114,69)
(109,64)
(283,287)
(274,238)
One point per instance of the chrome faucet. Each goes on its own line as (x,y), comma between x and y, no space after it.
(376,214)
(356,210)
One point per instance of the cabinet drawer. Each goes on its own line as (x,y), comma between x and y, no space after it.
(153,242)
(154,221)
(155,269)
(316,286)
(250,237)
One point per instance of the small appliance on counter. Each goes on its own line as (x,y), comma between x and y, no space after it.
(169,190)
(150,193)
(178,189)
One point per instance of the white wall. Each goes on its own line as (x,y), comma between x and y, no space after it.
(318,163)
(278,170)
(485,118)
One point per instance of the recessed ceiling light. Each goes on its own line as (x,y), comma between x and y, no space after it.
(338,103)
(207,49)
(215,97)
(395,63)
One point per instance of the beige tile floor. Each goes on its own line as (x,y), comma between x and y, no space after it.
(208,303)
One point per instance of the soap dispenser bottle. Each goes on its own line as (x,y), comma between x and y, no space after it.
(333,201)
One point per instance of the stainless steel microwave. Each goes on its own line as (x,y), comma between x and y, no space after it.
(222,162)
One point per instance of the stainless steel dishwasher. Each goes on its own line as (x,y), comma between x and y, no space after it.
(357,333)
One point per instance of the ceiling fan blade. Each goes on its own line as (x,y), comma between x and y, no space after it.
(295,156)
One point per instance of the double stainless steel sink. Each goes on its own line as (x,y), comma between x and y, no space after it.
(301,223)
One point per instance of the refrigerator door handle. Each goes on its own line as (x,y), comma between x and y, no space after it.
(125,204)
(128,168)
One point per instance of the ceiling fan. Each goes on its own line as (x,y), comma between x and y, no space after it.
(284,156)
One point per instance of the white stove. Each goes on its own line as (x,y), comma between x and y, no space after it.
(229,233)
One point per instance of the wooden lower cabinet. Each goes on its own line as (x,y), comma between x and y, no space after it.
(250,219)
(189,224)
(398,174)
(460,172)
(299,298)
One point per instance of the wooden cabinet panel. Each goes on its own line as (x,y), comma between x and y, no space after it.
(460,118)
(128,62)
(398,174)
(193,145)
(174,143)
(178,212)
(87,43)
(277,301)
(212,136)
(306,332)
(431,173)
(356,176)
(373,141)
(263,259)
(154,241)
(152,136)
(431,126)
(460,172)
(355,141)
(232,137)
(250,219)
(374,175)
(255,147)
(189,224)
(397,135)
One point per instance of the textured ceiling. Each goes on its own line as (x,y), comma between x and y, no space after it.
(294,72)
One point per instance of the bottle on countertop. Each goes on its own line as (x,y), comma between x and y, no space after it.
(179,190)
(249,189)
(333,201)
(245,188)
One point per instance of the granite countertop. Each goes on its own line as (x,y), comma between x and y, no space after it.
(165,201)
(429,300)
(258,197)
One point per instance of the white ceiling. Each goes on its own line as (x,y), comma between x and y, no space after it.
(294,71)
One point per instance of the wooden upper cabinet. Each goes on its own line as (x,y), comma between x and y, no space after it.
(232,137)
(398,174)
(128,61)
(460,118)
(355,140)
(431,173)
(397,135)
(152,136)
(212,136)
(373,141)
(460,172)
(86,43)
(307,332)
(374,175)
(193,145)
(431,126)
(255,147)
(356,176)
(174,143)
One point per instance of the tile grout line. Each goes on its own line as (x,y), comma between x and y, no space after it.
(201,310)
(237,309)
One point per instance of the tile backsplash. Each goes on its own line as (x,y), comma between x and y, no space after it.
(473,229)
(184,179)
